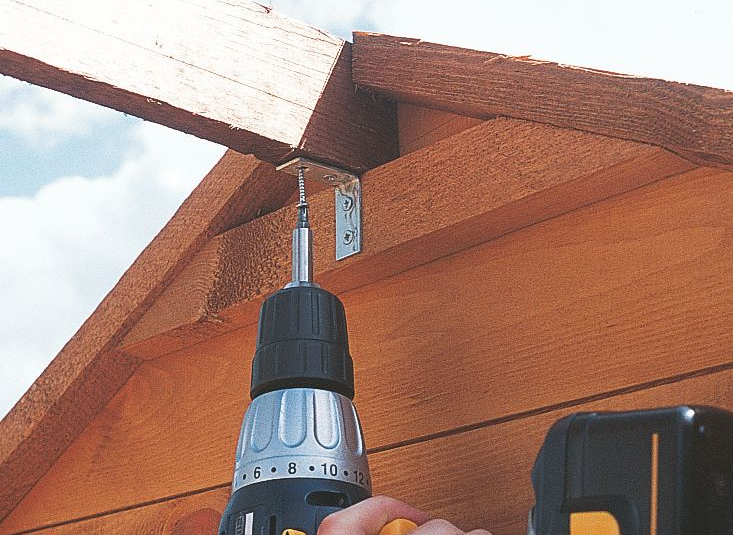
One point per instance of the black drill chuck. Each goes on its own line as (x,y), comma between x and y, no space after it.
(302,343)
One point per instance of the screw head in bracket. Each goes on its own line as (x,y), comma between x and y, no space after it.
(347,212)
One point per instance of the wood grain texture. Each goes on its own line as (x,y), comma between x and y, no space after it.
(618,296)
(693,121)
(89,369)
(418,127)
(196,513)
(479,184)
(476,479)
(233,72)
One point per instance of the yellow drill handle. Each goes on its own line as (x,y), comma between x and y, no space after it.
(401,526)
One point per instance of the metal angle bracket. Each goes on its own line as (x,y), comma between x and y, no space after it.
(347,207)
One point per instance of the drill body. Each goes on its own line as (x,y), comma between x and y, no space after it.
(301,453)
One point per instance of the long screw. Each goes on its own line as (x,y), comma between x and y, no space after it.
(302,238)
(302,204)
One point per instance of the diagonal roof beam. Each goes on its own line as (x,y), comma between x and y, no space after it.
(233,72)
(693,121)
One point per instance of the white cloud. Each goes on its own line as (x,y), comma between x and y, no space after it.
(65,247)
(42,117)
(681,40)
(336,16)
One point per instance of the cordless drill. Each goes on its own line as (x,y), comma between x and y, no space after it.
(652,472)
(301,453)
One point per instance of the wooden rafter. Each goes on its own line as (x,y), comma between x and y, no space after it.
(235,73)
(89,369)
(693,121)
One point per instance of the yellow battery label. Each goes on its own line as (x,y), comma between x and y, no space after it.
(594,523)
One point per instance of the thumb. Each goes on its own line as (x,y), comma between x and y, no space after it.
(369,517)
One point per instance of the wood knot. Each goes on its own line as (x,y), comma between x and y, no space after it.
(201,522)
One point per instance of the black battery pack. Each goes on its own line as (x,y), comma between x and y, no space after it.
(651,472)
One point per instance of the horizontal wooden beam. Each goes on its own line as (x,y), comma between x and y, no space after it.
(235,73)
(89,369)
(476,479)
(467,189)
(693,121)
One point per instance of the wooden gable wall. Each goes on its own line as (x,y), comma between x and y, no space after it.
(464,356)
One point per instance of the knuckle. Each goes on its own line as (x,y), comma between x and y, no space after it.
(383,502)
(331,525)
(443,527)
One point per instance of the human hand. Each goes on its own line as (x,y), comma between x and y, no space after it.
(370,516)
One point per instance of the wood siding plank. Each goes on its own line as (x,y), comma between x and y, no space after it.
(693,121)
(89,369)
(197,513)
(476,479)
(619,296)
(484,182)
(236,73)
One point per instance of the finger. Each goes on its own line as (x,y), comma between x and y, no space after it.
(369,516)
(479,532)
(437,526)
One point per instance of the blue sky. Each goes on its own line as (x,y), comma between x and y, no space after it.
(83,189)
(46,135)
(27,164)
